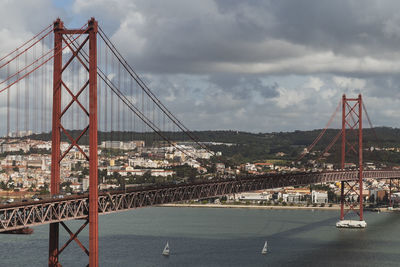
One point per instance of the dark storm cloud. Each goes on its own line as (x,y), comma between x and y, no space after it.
(243,86)
(354,28)
(267,91)
(348,27)
(210,36)
(252,65)
(246,59)
(384,86)
(189,38)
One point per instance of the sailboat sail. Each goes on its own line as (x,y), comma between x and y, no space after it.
(264,250)
(166,250)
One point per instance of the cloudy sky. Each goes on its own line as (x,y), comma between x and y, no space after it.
(258,66)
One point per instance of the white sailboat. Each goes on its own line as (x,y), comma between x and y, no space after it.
(166,250)
(264,250)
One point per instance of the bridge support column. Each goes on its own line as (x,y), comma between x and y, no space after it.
(63,37)
(93,162)
(342,200)
(390,193)
(352,120)
(53,245)
(56,138)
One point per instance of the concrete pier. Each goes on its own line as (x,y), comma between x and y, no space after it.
(351,224)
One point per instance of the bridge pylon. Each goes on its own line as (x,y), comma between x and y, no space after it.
(351,199)
(62,37)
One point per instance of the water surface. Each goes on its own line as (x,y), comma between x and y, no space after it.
(219,237)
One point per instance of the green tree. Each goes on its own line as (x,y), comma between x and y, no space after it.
(85,171)
(3,185)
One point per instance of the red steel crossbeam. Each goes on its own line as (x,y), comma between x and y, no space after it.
(351,189)
(75,53)
(74,237)
(352,120)
(351,205)
(57,156)
(75,98)
(351,110)
(74,142)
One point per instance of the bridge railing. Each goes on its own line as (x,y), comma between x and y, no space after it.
(24,214)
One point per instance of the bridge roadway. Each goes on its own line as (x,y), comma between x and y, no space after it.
(24,214)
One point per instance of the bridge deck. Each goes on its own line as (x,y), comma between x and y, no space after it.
(24,214)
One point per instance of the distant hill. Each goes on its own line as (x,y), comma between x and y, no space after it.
(259,146)
(252,146)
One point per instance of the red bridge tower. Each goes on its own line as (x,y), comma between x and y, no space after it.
(61,37)
(352,146)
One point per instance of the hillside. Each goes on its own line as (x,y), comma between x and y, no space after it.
(262,146)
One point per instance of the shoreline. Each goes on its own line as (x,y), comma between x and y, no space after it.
(231,206)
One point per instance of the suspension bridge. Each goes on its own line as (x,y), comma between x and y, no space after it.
(78,80)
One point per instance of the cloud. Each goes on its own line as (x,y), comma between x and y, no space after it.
(264,37)
(18,24)
(244,86)
(231,63)
(346,82)
(246,65)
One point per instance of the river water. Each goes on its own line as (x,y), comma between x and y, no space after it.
(220,237)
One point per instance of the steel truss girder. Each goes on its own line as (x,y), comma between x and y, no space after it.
(25,214)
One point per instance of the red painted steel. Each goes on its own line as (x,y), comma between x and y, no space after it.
(93,162)
(352,119)
(92,215)
(24,214)
(342,200)
(56,211)
(360,156)
(390,193)
(55,152)
(343,155)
